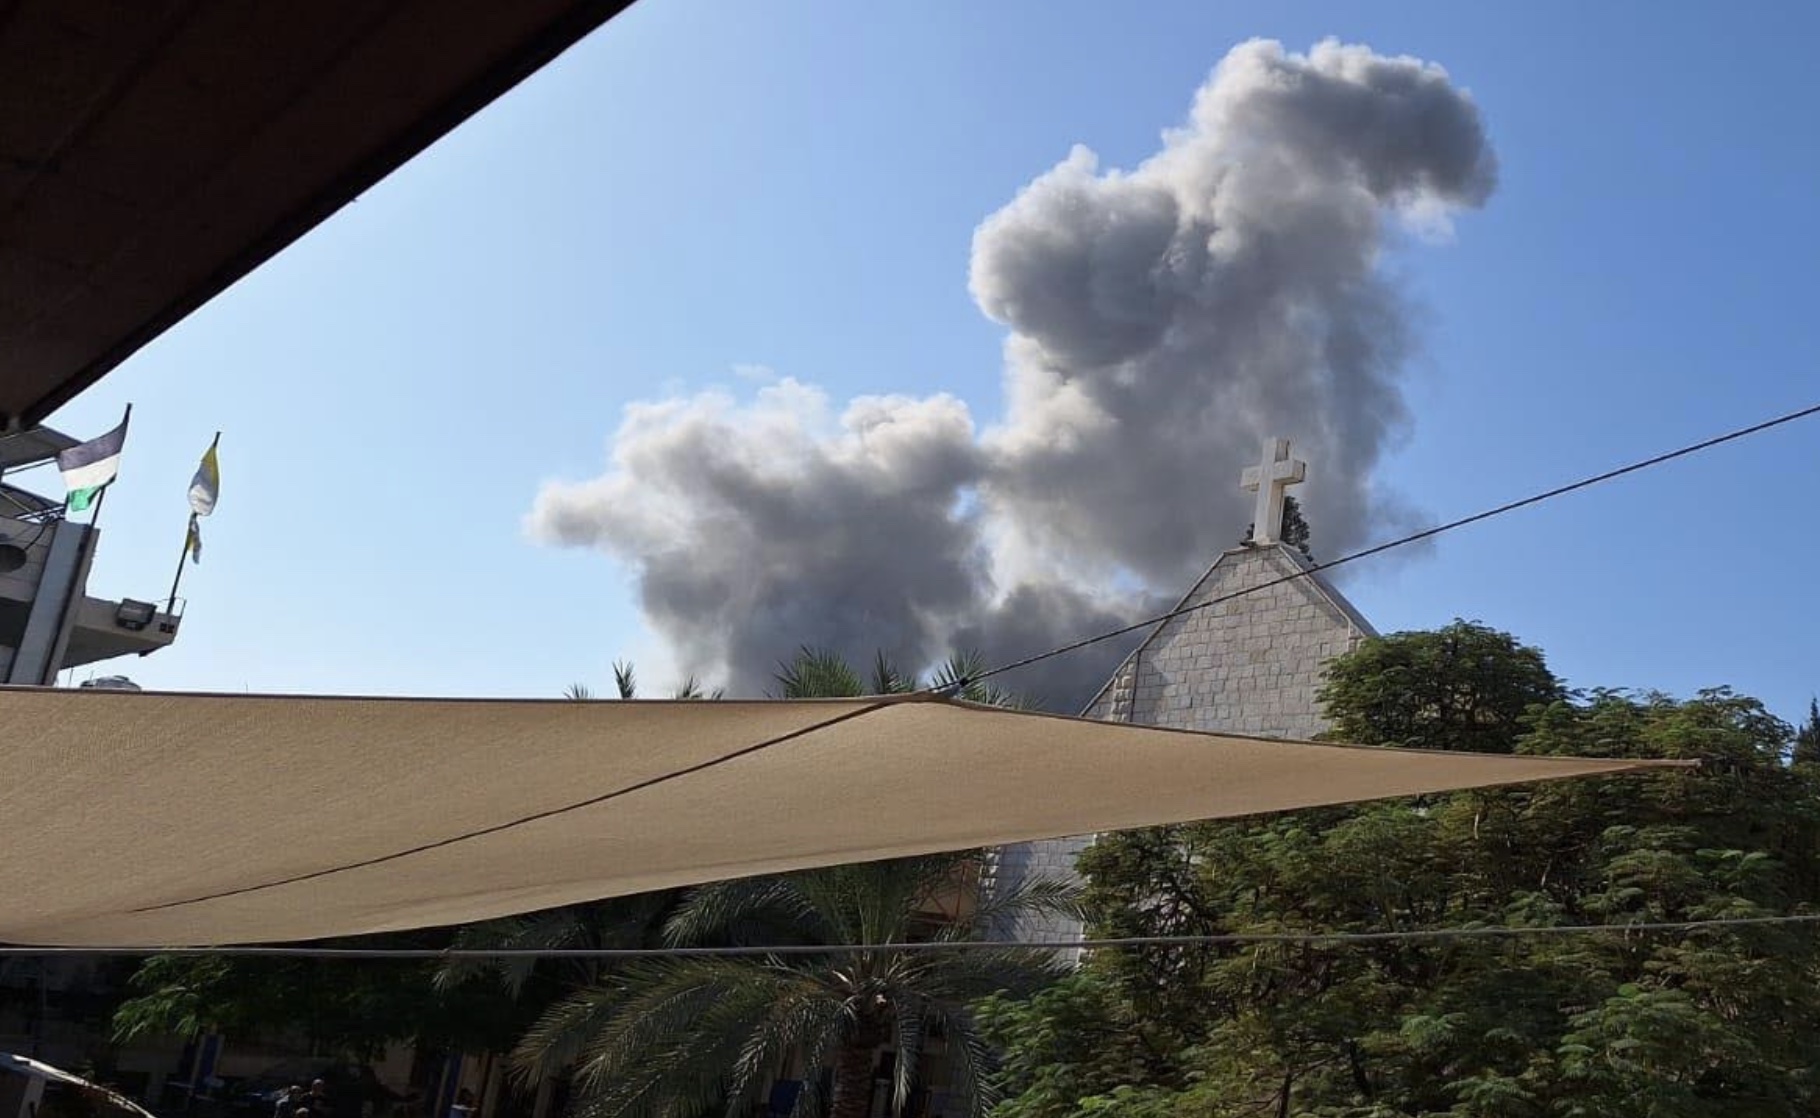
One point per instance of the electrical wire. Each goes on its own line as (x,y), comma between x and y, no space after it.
(1233,939)
(959,686)
(1379,549)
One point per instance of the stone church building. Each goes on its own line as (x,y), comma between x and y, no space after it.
(1251,665)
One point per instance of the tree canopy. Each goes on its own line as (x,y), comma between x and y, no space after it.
(1710,1022)
(1296,532)
(1465,687)
(692,1035)
(337,1007)
(1807,738)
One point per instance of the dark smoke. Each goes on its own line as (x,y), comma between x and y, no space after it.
(1163,322)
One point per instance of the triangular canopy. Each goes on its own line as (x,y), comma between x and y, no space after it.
(184,820)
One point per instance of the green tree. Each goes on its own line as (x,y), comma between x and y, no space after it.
(1074,1044)
(342,1008)
(687,1035)
(1465,687)
(1296,532)
(1807,738)
(1707,1022)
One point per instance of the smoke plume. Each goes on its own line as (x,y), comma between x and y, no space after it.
(1163,321)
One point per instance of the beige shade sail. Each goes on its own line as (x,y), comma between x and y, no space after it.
(188,820)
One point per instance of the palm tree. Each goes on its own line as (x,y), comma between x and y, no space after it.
(622,922)
(675,1037)
(625,681)
(817,673)
(681,1035)
(960,674)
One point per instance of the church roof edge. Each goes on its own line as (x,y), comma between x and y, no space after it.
(1310,574)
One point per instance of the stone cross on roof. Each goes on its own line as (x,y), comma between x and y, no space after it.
(1270,480)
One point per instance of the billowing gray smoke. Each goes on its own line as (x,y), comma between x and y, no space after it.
(1163,322)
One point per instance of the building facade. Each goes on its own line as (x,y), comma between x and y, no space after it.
(48,619)
(1251,662)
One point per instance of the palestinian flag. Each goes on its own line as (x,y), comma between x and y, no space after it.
(88,468)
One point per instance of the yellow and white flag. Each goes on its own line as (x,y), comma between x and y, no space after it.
(193,545)
(205,487)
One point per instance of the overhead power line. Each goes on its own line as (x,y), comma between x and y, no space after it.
(1233,939)
(1413,537)
(957,687)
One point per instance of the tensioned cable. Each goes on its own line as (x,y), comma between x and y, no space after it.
(1490,931)
(520,821)
(1379,549)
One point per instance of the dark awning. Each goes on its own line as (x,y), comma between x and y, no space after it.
(152,152)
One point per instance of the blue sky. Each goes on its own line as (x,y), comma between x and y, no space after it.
(703,186)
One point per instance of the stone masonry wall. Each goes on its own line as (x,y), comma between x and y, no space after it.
(1249,666)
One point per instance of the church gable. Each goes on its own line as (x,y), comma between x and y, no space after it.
(1251,665)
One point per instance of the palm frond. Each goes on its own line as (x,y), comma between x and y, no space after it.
(673,1040)
(877,902)
(912,1017)
(678,1038)
(489,935)
(693,1071)
(631,921)
(972,1060)
(1035,896)
(961,671)
(558,1037)
(692,689)
(667,1085)
(630,1022)
(625,679)
(965,977)
(887,679)
(799,1018)
(579,692)
(746,910)
(816,673)
(810,1101)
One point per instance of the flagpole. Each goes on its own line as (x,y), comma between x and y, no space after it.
(189,533)
(189,536)
(94,518)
